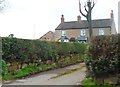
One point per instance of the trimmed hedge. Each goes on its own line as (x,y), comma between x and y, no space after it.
(20,49)
(104,56)
(18,52)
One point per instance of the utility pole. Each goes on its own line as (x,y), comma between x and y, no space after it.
(88,9)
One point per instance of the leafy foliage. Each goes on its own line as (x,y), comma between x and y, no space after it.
(3,69)
(19,53)
(103,55)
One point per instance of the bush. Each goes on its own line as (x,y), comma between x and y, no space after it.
(103,55)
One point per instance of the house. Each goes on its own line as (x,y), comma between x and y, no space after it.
(49,36)
(79,29)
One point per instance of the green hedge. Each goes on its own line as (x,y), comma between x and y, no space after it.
(104,56)
(17,52)
(20,49)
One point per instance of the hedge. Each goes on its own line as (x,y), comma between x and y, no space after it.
(22,51)
(104,56)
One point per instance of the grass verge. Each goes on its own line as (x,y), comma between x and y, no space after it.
(88,82)
(27,71)
(32,70)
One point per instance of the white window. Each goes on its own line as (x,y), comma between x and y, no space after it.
(101,31)
(63,33)
(82,32)
(66,40)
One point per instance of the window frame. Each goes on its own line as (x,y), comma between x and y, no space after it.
(63,34)
(101,31)
(82,32)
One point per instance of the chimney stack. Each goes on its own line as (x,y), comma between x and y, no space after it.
(62,18)
(79,18)
(112,14)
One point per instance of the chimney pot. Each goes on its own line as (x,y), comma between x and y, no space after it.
(62,18)
(79,18)
(112,14)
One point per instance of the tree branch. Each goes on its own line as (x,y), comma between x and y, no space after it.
(93,5)
(81,10)
(86,9)
(1,1)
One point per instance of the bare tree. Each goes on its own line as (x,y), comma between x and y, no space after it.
(3,5)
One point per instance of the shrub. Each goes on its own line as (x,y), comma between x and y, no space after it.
(103,55)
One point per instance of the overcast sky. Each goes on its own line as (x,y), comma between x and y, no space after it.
(31,19)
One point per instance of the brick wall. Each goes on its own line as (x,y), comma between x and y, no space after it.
(50,36)
(76,33)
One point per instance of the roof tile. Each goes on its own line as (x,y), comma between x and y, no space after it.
(99,23)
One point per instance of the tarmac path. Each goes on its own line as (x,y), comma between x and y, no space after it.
(44,78)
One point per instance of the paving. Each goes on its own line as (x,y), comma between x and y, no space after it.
(44,78)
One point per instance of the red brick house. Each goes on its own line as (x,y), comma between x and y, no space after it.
(49,36)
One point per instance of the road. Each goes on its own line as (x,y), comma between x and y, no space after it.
(44,78)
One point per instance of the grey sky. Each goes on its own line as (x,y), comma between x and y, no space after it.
(33,18)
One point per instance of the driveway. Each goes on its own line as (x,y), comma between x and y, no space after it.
(44,78)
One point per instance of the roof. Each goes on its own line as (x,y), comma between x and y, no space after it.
(46,34)
(99,23)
